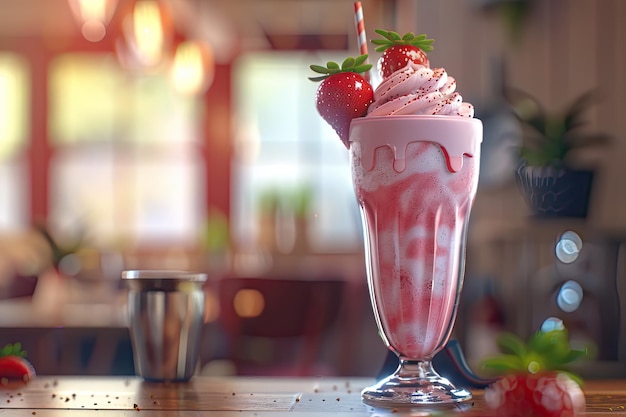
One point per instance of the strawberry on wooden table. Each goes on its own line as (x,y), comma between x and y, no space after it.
(13,364)
(398,51)
(533,382)
(343,93)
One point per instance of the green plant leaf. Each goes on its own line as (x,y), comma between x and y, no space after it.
(573,115)
(535,157)
(538,123)
(549,138)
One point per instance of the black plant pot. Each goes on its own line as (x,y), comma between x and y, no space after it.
(554,192)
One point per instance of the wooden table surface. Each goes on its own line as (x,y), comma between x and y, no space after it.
(235,396)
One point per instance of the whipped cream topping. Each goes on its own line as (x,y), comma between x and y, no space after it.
(416,89)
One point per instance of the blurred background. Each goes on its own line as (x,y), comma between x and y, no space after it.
(182,134)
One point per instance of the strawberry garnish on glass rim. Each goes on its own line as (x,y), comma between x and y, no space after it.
(398,51)
(533,381)
(343,94)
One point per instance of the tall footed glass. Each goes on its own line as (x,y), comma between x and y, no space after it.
(415,178)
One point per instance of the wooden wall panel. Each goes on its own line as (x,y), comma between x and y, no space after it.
(528,61)
(487,33)
(474,69)
(580,66)
(558,31)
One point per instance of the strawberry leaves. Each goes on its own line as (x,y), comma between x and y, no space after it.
(14,349)
(391,38)
(350,64)
(544,351)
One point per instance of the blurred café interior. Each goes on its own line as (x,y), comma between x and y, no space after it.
(182,134)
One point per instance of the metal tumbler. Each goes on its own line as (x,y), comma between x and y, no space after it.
(165,312)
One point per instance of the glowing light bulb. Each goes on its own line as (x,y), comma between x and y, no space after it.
(148,31)
(192,70)
(93,16)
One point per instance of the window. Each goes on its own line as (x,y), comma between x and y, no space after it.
(125,164)
(289,164)
(14,111)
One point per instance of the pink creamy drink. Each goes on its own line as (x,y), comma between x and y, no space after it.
(414,151)
(415,178)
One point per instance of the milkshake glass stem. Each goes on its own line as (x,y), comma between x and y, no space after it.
(415,382)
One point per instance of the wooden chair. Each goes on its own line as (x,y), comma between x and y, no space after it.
(278,326)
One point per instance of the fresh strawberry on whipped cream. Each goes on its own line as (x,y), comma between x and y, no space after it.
(418,89)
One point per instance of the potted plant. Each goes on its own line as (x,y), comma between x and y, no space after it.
(552,186)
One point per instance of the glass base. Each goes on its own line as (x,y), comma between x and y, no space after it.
(415,383)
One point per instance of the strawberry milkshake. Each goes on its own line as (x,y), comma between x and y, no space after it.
(415,164)
(414,151)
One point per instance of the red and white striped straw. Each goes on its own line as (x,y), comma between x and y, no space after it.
(360,31)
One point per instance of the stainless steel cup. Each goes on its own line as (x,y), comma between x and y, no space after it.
(165,312)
